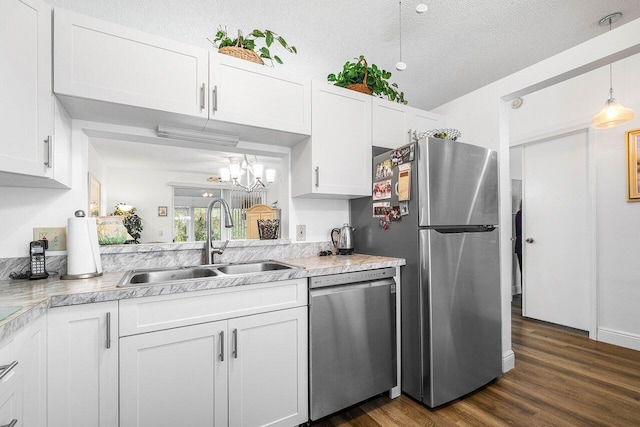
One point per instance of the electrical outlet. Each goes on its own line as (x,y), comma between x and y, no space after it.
(301,233)
(56,236)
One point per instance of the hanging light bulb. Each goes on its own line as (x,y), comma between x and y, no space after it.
(613,113)
(238,167)
(400,66)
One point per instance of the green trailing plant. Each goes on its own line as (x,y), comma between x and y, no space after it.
(222,39)
(132,222)
(377,80)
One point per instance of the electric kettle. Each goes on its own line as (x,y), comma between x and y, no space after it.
(344,243)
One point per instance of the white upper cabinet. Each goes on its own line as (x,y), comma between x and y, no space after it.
(336,161)
(246,93)
(394,123)
(101,61)
(422,121)
(26,105)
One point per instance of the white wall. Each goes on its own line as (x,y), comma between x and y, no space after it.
(574,103)
(482,116)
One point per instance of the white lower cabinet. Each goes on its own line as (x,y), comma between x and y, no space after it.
(241,362)
(268,369)
(23,376)
(174,377)
(83,365)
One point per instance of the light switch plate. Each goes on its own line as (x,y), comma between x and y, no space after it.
(56,236)
(301,233)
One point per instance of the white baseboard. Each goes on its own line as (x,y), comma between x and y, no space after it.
(508,361)
(619,338)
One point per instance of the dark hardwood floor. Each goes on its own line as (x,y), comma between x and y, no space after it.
(561,378)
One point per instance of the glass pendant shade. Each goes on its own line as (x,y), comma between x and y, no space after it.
(271,175)
(258,170)
(612,114)
(225,175)
(234,169)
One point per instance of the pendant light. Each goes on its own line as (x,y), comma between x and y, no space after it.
(613,113)
(400,66)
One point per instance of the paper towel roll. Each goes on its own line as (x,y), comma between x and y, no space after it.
(83,253)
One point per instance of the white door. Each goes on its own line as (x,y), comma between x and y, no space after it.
(175,377)
(268,369)
(82,343)
(556,231)
(25,86)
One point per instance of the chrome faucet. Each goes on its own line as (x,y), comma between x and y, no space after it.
(228,223)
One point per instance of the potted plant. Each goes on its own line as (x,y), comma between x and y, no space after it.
(131,221)
(244,47)
(367,79)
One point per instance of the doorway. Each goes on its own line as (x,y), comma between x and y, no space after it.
(557,220)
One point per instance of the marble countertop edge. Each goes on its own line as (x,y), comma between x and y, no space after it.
(36,299)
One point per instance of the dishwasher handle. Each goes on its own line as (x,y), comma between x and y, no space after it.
(353,286)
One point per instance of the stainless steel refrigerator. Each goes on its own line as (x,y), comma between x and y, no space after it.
(448,233)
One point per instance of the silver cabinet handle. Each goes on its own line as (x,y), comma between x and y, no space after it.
(235,344)
(317,176)
(108,330)
(214,99)
(222,346)
(49,162)
(202,92)
(7,368)
(11,424)
(529,240)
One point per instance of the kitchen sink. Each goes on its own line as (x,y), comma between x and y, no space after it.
(254,267)
(143,277)
(158,276)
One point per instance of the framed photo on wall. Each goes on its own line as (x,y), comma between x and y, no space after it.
(94,196)
(162,211)
(633,165)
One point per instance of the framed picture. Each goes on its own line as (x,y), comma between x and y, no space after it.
(94,196)
(162,211)
(633,165)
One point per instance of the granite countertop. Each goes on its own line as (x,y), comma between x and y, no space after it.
(36,297)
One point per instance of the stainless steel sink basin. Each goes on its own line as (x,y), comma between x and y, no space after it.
(254,267)
(143,277)
(158,276)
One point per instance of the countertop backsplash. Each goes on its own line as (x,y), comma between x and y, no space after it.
(157,255)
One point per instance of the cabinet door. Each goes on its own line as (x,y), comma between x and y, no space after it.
(31,352)
(389,124)
(11,404)
(268,369)
(336,160)
(256,95)
(25,91)
(421,121)
(83,365)
(98,60)
(176,377)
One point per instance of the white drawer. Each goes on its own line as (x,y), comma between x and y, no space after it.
(147,314)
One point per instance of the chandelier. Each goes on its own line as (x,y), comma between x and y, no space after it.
(246,175)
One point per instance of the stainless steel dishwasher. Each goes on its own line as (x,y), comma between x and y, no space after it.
(352,339)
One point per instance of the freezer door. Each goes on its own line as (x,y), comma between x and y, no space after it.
(458,183)
(460,279)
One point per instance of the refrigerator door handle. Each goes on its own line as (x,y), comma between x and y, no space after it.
(466,229)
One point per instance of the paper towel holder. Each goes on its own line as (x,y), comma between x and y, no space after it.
(93,243)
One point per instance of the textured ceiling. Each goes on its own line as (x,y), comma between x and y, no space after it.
(456,47)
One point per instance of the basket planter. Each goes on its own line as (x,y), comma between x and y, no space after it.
(242,53)
(362,87)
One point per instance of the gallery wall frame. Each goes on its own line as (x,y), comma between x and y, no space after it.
(633,165)
(94,196)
